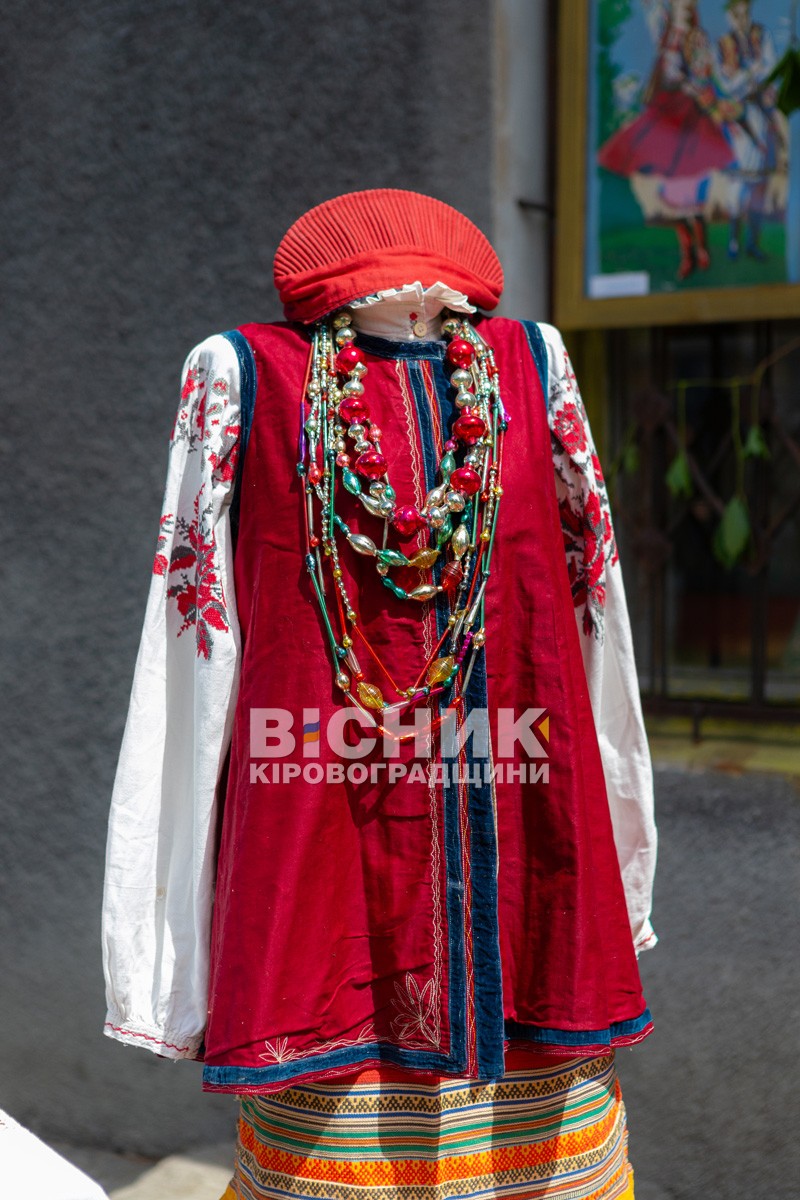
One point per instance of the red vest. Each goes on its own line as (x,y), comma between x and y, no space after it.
(433,920)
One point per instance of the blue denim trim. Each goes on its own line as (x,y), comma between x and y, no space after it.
(488,985)
(247,387)
(352,1055)
(490,1032)
(584,1037)
(538,350)
(454,880)
(388,348)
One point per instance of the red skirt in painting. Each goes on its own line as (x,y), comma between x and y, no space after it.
(673,137)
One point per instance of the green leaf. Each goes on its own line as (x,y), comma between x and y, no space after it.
(733,533)
(787,71)
(755,445)
(679,477)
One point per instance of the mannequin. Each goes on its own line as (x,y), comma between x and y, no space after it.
(435,897)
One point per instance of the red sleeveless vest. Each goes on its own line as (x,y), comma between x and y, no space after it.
(434,919)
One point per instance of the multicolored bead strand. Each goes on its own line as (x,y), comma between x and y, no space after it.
(460,512)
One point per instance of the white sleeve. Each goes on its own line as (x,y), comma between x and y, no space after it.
(161,852)
(605,635)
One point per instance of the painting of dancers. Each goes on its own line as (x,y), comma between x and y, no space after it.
(682,157)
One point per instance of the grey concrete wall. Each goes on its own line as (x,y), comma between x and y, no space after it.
(524,74)
(153,153)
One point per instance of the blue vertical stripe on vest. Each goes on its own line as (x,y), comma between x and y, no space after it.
(247,388)
(452,834)
(538,350)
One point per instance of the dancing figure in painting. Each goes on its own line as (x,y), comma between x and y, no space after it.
(746,58)
(670,149)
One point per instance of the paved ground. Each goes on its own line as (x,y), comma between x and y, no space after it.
(202,1174)
(711,1096)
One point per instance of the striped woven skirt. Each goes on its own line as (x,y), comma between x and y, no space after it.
(550,1130)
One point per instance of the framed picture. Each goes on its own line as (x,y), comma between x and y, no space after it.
(677,200)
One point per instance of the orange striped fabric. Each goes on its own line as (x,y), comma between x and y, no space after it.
(553,1129)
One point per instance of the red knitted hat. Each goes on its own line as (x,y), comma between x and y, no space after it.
(363,242)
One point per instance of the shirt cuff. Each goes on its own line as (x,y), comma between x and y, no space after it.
(160,1041)
(645,939)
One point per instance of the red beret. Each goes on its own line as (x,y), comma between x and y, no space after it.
(363,242)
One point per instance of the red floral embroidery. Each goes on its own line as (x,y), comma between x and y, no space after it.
(569,430)
(160,562)
(224,463)
(198,592)
(589,542)
(191,565)
(192,378)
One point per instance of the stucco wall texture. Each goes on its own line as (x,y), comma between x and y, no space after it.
(153,154)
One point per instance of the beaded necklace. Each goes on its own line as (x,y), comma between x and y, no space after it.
(460,512)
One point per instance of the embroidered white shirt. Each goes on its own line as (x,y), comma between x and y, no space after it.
(161,851)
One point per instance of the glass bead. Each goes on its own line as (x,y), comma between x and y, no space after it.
(370,695)
(347,358)
(362,544)
(434,498)
(372,505)
(377,488)
(440,670)
(343,681)
(436,517)
(455,501)
(450,326)
(408,520)
(351,481)
(466,479)
(460,540)
(353,409)
(426,591)
(423,558)
(452,574)
(460,353)
(357,430)
(392,586)
(465,399)
(393,557)
(461,379)
(445,531)
(447,464)
(352,388)
(344,336)
(469,427)
(389,492)
(371,464)
(341,319)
